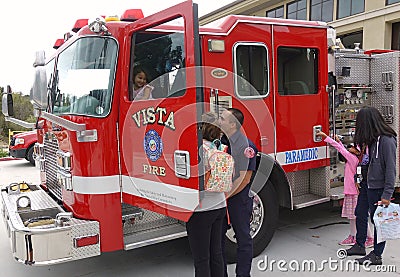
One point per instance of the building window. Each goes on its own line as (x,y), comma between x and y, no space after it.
(297,10)
(251,68)
(321,10)
(388,2)
(348,40)
(396,36)
(297,71)
(350,7)
(276,13)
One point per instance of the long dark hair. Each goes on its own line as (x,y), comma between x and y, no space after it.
(369,126)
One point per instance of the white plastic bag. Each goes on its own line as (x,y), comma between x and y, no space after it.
(387,222)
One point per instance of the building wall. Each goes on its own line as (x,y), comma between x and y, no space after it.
(375,22)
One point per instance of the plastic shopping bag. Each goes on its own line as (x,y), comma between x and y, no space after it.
(387,222)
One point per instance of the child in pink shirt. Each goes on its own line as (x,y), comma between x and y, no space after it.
(350,188)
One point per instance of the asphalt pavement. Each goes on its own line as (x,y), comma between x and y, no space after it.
(305,244)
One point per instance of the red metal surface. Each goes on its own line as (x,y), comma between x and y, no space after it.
(29,137)
(183,110)
(293,117)
(296,115)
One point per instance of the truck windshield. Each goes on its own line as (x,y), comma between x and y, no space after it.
(84,77)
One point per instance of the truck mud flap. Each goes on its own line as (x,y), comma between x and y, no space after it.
(41,232)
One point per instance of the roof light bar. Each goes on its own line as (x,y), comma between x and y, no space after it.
(132,15)
(58,43)
(79,24)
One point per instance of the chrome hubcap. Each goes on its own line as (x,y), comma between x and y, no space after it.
(256,220)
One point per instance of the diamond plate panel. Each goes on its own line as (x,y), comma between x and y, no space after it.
(381,98)
(39,200)
(319,181)
(82,228)
(313,181)
(299,182)
(359,68)
(151,220)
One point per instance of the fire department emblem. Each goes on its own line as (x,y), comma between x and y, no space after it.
(153,145)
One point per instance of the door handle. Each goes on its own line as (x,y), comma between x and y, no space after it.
(316,130)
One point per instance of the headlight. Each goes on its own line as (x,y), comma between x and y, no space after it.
(19,141)
(39,150)
(63,160)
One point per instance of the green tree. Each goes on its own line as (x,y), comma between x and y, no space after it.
(23,110)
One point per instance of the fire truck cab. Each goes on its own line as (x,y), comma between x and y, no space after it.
(122,173)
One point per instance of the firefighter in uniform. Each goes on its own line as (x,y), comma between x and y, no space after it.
(239,203)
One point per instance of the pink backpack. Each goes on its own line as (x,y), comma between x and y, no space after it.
(219,167)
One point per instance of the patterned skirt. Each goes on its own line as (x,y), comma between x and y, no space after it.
(349,206)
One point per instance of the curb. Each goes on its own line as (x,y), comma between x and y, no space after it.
(8,159)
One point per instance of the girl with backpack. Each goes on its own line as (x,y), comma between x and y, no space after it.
(204,228)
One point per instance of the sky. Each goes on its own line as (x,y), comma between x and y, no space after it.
(29,26)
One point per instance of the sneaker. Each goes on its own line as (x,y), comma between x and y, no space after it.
(369,242)
(370,259)
(350,240)
(356,249)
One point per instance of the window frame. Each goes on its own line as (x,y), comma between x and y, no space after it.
(111,83)
(235,63)
(387,2)
(343,37)
(322,8)
(156,35)
(274,10)
(351,8)
(316,70)
(297,10)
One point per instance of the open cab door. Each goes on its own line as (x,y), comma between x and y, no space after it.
(159,138)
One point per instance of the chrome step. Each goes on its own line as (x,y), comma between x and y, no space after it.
(153,236)
(307,200)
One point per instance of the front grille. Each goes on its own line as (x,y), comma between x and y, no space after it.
(12,141)
(50,149)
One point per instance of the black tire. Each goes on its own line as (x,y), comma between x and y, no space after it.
(263,233)
(29,156)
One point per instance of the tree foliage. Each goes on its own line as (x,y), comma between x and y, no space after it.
(23,110)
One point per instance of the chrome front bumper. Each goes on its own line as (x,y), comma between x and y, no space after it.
(55,236)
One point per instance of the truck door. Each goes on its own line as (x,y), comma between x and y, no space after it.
(301,101)
(159,138)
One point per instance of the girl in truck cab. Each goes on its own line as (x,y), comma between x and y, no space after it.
(141,90)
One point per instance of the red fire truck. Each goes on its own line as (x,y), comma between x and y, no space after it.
(118,173)
(21,145)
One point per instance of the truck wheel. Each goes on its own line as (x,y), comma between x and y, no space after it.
(263,223)
(29,156)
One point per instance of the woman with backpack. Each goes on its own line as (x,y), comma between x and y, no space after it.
(204,228)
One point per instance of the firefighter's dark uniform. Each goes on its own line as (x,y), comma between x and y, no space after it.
(241,204)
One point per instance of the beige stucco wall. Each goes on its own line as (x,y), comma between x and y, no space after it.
(376,21)
(374,34)
(374,4)
(376,25)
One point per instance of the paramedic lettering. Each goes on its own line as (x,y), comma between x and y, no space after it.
(301,155)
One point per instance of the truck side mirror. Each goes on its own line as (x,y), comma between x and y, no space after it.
(38,92)
(7,106)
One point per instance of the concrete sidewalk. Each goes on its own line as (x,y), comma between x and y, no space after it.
(305,236)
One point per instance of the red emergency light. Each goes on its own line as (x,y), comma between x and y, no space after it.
(58,43)
(79,24)
(132,15)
